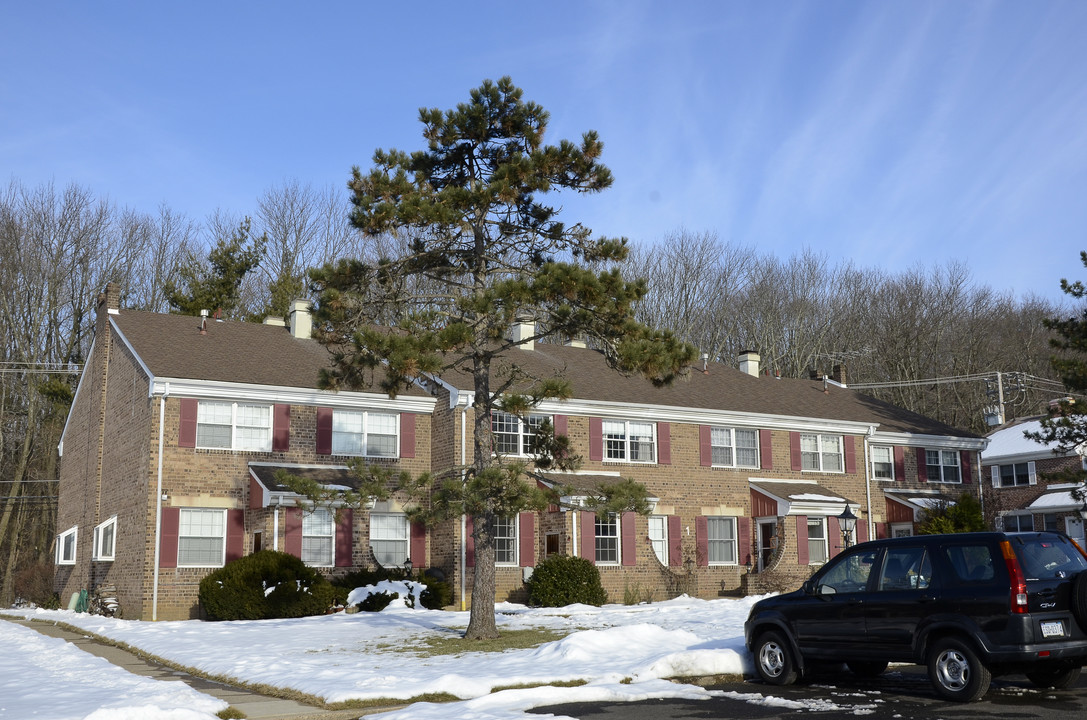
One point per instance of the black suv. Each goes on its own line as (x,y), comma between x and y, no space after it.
(968,606)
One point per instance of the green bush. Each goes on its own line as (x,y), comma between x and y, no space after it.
(563,580)
(437,594)
(377,601)
(239,591)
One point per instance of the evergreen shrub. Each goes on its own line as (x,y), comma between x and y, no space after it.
(266,584)
(563,580)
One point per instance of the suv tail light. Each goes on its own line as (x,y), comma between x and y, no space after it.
(1018,583)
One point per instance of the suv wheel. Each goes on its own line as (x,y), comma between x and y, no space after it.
(1079,599)
(956,672)
(1055,678)
(774,659)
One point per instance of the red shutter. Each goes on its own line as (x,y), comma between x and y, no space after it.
(630,549)
(835,532)
(596,441)
(664,444)
(561,425)
(281,428)
(900,463)
(526,538)
(850,454)
(235,534)
(882,530)
(407,435)
(702,541)
(345,538)
(417,551)
(802,557)
(705,445)
(794,451)
(675,541)
(324,431)
(922,466)
(292,531)
(967,471)
(171,524)
(744,556)
(186,436)
(588,535)
(469,542)
(862,531)
(766,450)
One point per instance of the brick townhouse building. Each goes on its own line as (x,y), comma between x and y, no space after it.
(179,425)
(1019,492)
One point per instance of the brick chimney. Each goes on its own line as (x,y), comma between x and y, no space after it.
(838,374)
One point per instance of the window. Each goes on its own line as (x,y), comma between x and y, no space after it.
(817,541)
(658,537)
(505,540)
(906,568)
(848,575)
(104,540)
(883,462)
(1050,520)
(630,441)
(1017,474)
(734,448)
(902,530)
(234,426)
(512,435)
(821,453)
(318,533)
(721,536)
(201,540)
(66,545)
(607,539)
(942,466)
(1018,523)
(389,538)
(364,433)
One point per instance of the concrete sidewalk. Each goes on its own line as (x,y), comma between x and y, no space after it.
(253,705)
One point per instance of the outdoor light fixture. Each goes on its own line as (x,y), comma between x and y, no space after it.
(1083,509)
(847,521)
(407,567)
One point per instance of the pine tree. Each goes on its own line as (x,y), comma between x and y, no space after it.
(491,253)
(215,285)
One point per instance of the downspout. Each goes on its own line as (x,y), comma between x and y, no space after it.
(868,481)
(275,525)
(158,506)
(577,521)
(463,518)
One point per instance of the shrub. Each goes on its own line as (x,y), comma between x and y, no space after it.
(562,580)
(437,595)
(377,601)
(34,583)
(266,584)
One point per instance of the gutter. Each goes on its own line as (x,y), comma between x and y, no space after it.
(158,506)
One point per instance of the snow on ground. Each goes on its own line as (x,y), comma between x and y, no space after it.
(623,652)
(43,677)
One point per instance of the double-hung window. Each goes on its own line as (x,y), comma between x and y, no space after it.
(201,540)
(105,536)
(883,462)
(942,466)
(658,537)
(364,433)
(607,539)
(734,448)
(389,538)
(505,540)
(66,546)
(1019,523)
(514,436)
(233,426)
(318,533)
(817,540)
(821,453)
(629,441)
(1016,474)
(721,540)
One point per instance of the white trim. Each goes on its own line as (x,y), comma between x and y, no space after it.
(96,547)
(942,442)
(516,562)
(618,517)
(59,558)
(735,542)
(272,394)
(332,547)
(180,536)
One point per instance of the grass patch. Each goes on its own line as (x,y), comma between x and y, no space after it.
(231,713)
(455,644)
(527,686)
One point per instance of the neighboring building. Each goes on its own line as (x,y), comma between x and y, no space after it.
(1018,494)
(748,473)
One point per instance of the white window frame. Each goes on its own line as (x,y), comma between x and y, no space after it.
(1018,522)
(98,551)
(507,541)
(820,543)
(725,544)
(517,431)
(901,530)
(889,462)
(615,436)
(821,454)
(62,557)
(658,537)
(397,537)
(185,517)
(603,543)
(942,456)
(998,475)
(724,440)
(356,443)
(263,443)
(318,527)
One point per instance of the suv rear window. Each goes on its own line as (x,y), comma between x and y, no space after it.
(971,563)
(1047,558)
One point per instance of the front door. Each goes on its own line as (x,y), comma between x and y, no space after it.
(768,542)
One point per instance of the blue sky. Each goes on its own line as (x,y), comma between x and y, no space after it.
(894,134)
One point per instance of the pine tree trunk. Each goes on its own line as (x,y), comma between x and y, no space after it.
(481,622)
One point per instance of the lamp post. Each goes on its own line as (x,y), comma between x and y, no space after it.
(407,568)
(847,521)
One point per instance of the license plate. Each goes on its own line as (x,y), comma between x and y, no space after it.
(1052,629)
